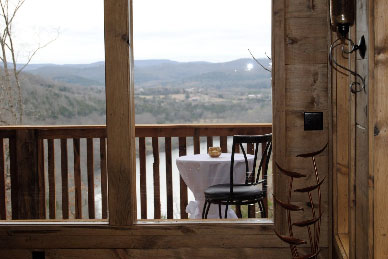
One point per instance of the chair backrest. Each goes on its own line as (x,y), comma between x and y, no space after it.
(253,141)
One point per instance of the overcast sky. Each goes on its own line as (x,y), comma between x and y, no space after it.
(182,30)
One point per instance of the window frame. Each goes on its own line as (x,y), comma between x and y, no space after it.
(123,222)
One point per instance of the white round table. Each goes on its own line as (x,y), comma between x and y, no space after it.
(201,171)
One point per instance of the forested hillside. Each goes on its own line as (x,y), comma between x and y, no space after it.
(165,92)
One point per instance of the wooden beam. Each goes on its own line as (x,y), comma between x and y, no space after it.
(279,114)
(377,133)
(120,112)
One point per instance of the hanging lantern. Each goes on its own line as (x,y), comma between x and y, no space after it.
(342,14)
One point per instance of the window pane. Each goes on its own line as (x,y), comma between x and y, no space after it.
(192,65)
(54,172)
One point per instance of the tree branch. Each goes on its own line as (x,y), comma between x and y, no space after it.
(33,54)
(259,62)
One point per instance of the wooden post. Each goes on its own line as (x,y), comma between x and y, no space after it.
(278,107)
(24,175)
(120,112)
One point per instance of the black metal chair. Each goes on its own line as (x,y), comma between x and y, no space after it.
(253,190)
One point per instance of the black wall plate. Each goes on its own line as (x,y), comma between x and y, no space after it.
(313,121)
(38,255)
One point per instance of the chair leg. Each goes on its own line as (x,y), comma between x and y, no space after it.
(263,212)
(226,211)
(260,208)
(204,209)
(207,210)
(219,210)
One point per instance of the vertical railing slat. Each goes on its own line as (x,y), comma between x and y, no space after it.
(155,151)
(14,178)
(3,210)
(224,144)
(251,208)
(169,188)
(90,171)
(264,176)
(77,178)
(65,179)
(51,177)
(197,144)
(183,186)
(104,179)
(143,177)
(209,142)
(41,179)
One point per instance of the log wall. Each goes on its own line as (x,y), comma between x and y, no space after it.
(301,85)
(361,231)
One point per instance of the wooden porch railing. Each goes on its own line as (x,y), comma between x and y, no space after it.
(23,156)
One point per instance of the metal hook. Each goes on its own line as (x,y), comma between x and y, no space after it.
(355,87)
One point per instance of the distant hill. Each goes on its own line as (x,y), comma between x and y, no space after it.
(166,92)
(159,73)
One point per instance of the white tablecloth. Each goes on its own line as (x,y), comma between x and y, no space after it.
(201,171)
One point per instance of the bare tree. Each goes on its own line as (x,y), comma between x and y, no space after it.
(11,99)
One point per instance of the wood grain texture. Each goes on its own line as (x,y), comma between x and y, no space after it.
(77,179)
(120,111)
(65,179)
(306,8)
(334,140)
(90,171)
(179,227)
(361,181)
(371,126)
(342,144)
(278,95)
(51,178)
(331,159)
(300,84)
(169,186)
(352,161)
(156,173)
(104,179)
(307,87)
(380,123)
(155,253)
